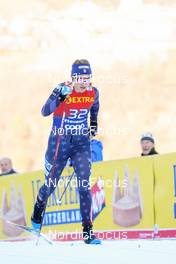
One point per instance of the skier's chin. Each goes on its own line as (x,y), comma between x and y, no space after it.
(81,89)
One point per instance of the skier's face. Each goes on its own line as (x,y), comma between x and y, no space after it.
(81,83)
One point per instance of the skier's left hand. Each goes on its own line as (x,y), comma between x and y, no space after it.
(93,128)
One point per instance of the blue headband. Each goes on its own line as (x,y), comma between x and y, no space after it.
(78,69)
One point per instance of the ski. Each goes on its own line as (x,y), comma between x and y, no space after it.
(49,241)
(32,231)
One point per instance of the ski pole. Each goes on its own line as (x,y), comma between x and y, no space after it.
(68,182)
(51,173)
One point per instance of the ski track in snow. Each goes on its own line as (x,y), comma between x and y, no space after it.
(111,252)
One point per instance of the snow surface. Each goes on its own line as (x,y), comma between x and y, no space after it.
(116,252)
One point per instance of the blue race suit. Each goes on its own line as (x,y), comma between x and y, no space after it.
(69,138)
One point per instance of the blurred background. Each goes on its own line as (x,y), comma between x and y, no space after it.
(131,45)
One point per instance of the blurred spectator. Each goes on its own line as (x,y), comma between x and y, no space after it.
(6,166)
(148,144)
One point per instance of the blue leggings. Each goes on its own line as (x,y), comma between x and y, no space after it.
(76,147)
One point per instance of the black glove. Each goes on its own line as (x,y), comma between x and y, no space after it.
(62,97)
(65,91)
(61,91)
(93,128)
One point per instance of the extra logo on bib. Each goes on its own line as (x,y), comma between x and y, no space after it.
(81,100)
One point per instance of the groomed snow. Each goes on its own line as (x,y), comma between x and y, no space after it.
(110,252)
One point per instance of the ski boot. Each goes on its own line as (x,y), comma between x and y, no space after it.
(88,236)
(36,218)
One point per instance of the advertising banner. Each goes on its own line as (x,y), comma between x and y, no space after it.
(165,195)
(122,201)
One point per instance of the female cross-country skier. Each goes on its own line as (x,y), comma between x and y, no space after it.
(70,103)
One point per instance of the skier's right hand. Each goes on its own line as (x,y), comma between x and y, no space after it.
(66,90)
(62,91)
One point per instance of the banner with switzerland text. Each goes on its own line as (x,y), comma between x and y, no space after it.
(122,202)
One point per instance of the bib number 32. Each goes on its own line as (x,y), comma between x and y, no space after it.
(78,114)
